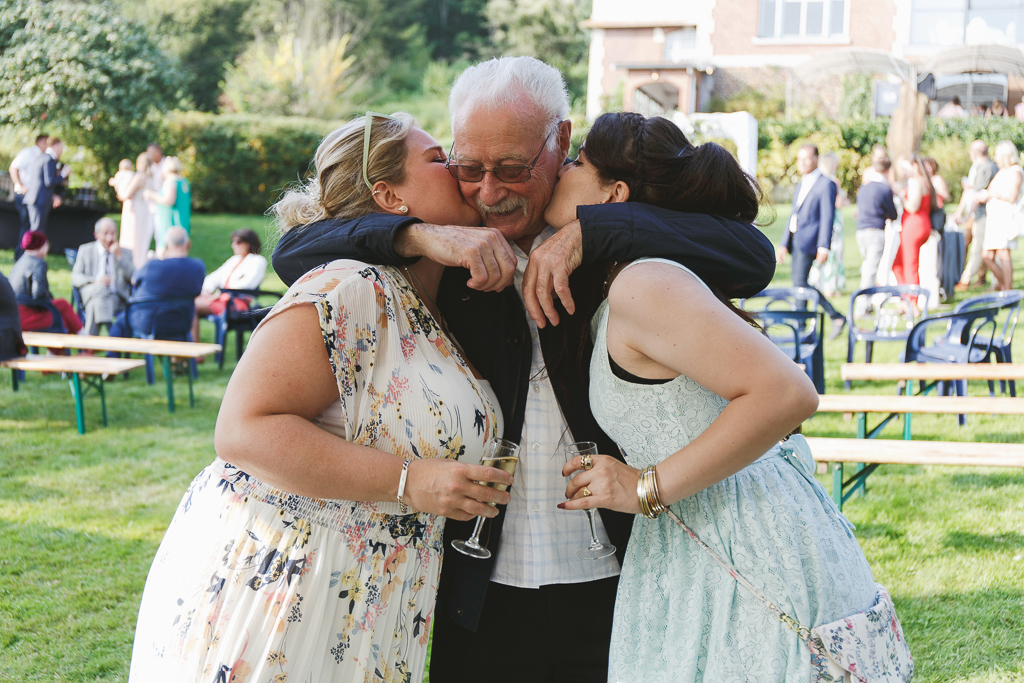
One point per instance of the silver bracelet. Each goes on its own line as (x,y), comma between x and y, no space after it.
(401,488)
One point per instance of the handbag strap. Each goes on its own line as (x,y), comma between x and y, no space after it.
(802,631)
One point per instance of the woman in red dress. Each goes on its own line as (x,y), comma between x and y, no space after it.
(918,201)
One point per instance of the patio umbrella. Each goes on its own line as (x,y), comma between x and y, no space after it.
(978,59)
(833,63)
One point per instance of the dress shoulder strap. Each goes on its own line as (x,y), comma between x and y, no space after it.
(671,263)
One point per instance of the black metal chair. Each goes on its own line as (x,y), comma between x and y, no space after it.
(892,317)
(1009,301)
(237,317)
(801,339)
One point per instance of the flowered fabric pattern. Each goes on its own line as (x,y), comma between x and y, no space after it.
(679,616)
(253,584)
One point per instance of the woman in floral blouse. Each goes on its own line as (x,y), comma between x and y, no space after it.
(291,557)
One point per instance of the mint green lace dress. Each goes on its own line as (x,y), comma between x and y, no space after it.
(679,617)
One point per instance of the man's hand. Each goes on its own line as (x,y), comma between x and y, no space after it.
(19,188)
(484,251)
(549,268)
(821,257)
(781,253)
(103,280)
(56,200)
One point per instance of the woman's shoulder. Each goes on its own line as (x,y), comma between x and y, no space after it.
(345,275)
(645,282)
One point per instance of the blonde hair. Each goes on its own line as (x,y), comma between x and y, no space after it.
(172,165)
(143,160)
(829,164)
(336,189)
(1010,150)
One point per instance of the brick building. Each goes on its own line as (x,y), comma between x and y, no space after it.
(661,55)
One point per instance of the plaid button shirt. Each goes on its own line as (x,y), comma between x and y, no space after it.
(538,541)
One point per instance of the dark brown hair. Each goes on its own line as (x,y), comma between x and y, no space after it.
(661,167)
(249,237)
(926,176)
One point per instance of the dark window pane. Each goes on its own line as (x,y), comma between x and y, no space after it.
(838,18)
(791,18)
(767,24)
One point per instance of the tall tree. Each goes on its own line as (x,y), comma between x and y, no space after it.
(87,71)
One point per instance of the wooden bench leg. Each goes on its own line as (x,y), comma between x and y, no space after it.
(14,380)
(103,398)
(191,396)
(76,390)
(165,361)
(837,484)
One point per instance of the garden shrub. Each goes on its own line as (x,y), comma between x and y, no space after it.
(954,162)
(239,163)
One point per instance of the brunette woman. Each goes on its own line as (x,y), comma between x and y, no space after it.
(916,223)
(698,400)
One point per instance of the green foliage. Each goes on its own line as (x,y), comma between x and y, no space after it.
(204,36)
(976,128)
(776,165)
(548,30)
(954,162)
(856,99)
(240,162)
(298,69)
(761,105)
(86,72)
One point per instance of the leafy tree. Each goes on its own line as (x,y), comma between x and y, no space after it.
(85,70)
(204,36)
(298,69)
(545,29)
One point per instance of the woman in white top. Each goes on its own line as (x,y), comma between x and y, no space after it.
(1000,199)
(245,270)
(310,549)
(136,220)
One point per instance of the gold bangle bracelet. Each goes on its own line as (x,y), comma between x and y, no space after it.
(648,493)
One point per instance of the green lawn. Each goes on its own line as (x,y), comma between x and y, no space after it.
(81,516)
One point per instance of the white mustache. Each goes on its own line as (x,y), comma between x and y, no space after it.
(506,205)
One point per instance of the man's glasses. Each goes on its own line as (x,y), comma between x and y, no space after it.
(513,173)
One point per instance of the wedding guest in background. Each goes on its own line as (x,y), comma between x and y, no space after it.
(832,273)
(173,202)
(136,218)
(28,278)
(18,170)
(983,169)
(875,206)
(941,194)
(916,222)
(997,109)
(42,180)
(1000,199)
(103,273)
(122,177)
(951,109)
(245,270)
(11,343)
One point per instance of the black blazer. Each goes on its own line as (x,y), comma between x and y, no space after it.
(492,329)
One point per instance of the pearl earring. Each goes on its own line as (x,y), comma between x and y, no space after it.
(403,208)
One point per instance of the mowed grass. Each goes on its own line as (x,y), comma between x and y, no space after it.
(81,516)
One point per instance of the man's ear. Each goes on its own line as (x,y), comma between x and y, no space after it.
(619,193)
(564,137)
(386,198)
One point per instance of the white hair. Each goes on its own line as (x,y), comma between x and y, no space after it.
(1010,150)
(505,82)
(176,237)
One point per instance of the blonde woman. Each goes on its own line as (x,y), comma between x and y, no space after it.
(173,202)
(310,549)
(1001,228)
(136,219)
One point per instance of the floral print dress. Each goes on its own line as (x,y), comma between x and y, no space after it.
(253,584)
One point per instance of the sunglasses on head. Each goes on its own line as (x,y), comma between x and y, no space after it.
(510,174)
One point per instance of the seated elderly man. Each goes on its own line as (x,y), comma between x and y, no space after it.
(103,273)
(175,275)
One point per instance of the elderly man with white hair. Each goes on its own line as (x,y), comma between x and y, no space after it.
(103,273)
(535,610)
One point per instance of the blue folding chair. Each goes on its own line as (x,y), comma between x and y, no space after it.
(76,294)
(783,299)
(1009,301)
(168,318)
(800,339)
(238,321)
(892,319)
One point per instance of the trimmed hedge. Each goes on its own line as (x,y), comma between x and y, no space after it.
(240,163)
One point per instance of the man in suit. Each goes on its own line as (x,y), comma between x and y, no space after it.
(19,175)
(42,181)
(103,274)
(533,592)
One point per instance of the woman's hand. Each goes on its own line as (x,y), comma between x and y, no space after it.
(611,482)
(449,488)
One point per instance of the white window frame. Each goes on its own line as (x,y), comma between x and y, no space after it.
(803,38)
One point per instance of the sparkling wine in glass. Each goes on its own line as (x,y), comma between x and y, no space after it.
(596,550)
(505,456)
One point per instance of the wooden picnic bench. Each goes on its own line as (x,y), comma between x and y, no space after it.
(163,349)
(913,452)
(87,370)
(930,374)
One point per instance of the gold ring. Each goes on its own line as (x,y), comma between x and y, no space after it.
(585,492)
(586,462)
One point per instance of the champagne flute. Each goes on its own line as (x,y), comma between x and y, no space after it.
(505,456)
(596,550)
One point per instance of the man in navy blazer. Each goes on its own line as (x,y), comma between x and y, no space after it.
(41,181)
(810,226)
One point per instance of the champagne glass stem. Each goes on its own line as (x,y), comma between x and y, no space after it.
(475,538)
(593,530)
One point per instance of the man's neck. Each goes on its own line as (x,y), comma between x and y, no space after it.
(526,241)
